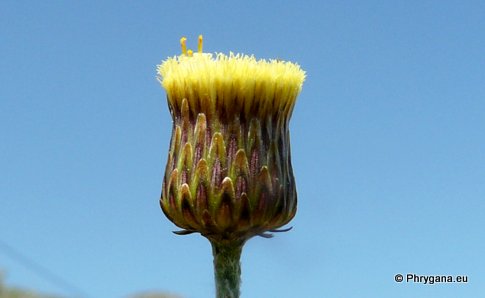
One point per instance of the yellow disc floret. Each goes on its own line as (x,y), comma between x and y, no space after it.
(233,83)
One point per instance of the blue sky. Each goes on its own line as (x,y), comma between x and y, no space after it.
(388,145)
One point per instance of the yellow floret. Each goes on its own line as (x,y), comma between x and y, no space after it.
(233,83)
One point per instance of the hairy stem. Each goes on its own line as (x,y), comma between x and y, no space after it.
(227,268)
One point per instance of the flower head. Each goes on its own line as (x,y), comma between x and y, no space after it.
(229,173)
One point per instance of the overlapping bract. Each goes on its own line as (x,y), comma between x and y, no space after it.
(228,177)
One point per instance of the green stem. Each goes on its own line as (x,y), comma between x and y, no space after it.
(227,268)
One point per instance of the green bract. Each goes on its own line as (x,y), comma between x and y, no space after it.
(228,178)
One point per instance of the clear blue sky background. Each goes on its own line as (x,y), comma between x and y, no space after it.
(388,145)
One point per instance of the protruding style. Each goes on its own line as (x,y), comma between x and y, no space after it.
(200,44)
(183,45)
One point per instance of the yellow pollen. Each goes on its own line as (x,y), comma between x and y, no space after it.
(190,53)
